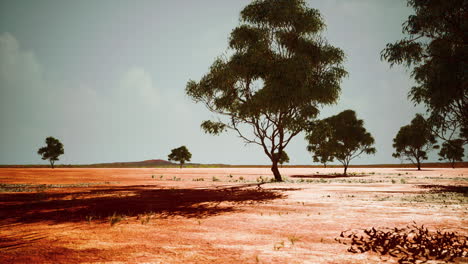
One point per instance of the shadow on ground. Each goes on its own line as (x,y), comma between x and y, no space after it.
(415,169)
(328,176)
(100,203)
(436,188)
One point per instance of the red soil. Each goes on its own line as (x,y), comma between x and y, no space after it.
(173,216)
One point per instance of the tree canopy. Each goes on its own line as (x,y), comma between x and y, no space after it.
(452,150)
(435,50)
(284,158)
(414,141)
(280,71)
(180,154)
(318,136)
(52,150)
(342,137)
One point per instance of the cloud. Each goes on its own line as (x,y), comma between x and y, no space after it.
(87,120)
(137,85)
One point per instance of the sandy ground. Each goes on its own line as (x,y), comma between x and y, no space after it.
(216,215)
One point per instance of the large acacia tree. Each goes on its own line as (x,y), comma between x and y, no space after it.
(279,72)
(435,49)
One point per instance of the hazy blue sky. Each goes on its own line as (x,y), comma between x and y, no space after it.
(107,78)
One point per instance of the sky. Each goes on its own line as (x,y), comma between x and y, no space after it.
(107,78)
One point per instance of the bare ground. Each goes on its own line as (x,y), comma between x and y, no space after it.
(216,215)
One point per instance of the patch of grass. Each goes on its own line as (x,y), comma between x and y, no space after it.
(198,179)
(89,218)
(452,179)
(144,218)
(261,179)
(383,198)
(403,181)
(278,246)
(293,239)
(214,179)
(437,198)
(115,218)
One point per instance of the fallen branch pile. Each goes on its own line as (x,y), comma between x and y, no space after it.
(408,244)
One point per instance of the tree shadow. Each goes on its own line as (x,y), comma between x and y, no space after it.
(60,254)
(101,203)
(437,188)
(329,176)
(415,169)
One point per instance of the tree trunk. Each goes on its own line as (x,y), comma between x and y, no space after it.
(345,169)
(325,165)
(453,164)
(276,173)
(181,165)
(418,162)
(52,164)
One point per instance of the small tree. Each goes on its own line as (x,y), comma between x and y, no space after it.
(280,71)
(414,141)
(342,136)
(52,150)
(284,158)
(181,155)
(452,151)
(319,143)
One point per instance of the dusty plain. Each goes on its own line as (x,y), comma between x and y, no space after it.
(213,215)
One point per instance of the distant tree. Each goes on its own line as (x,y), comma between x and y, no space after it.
(452,151)
(284,158)
(181,155)
(52,150)
(319,136)
(342,137)
(435,50)
(280,73)
(414,141)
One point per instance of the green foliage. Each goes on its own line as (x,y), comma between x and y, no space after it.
(413,141)
(342,136)
(452,150)
(283,158)
(52,150)
(318,138)
(214,128)
(180,154)
(280,73)
(435,51)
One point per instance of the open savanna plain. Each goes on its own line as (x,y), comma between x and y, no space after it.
(218,215)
